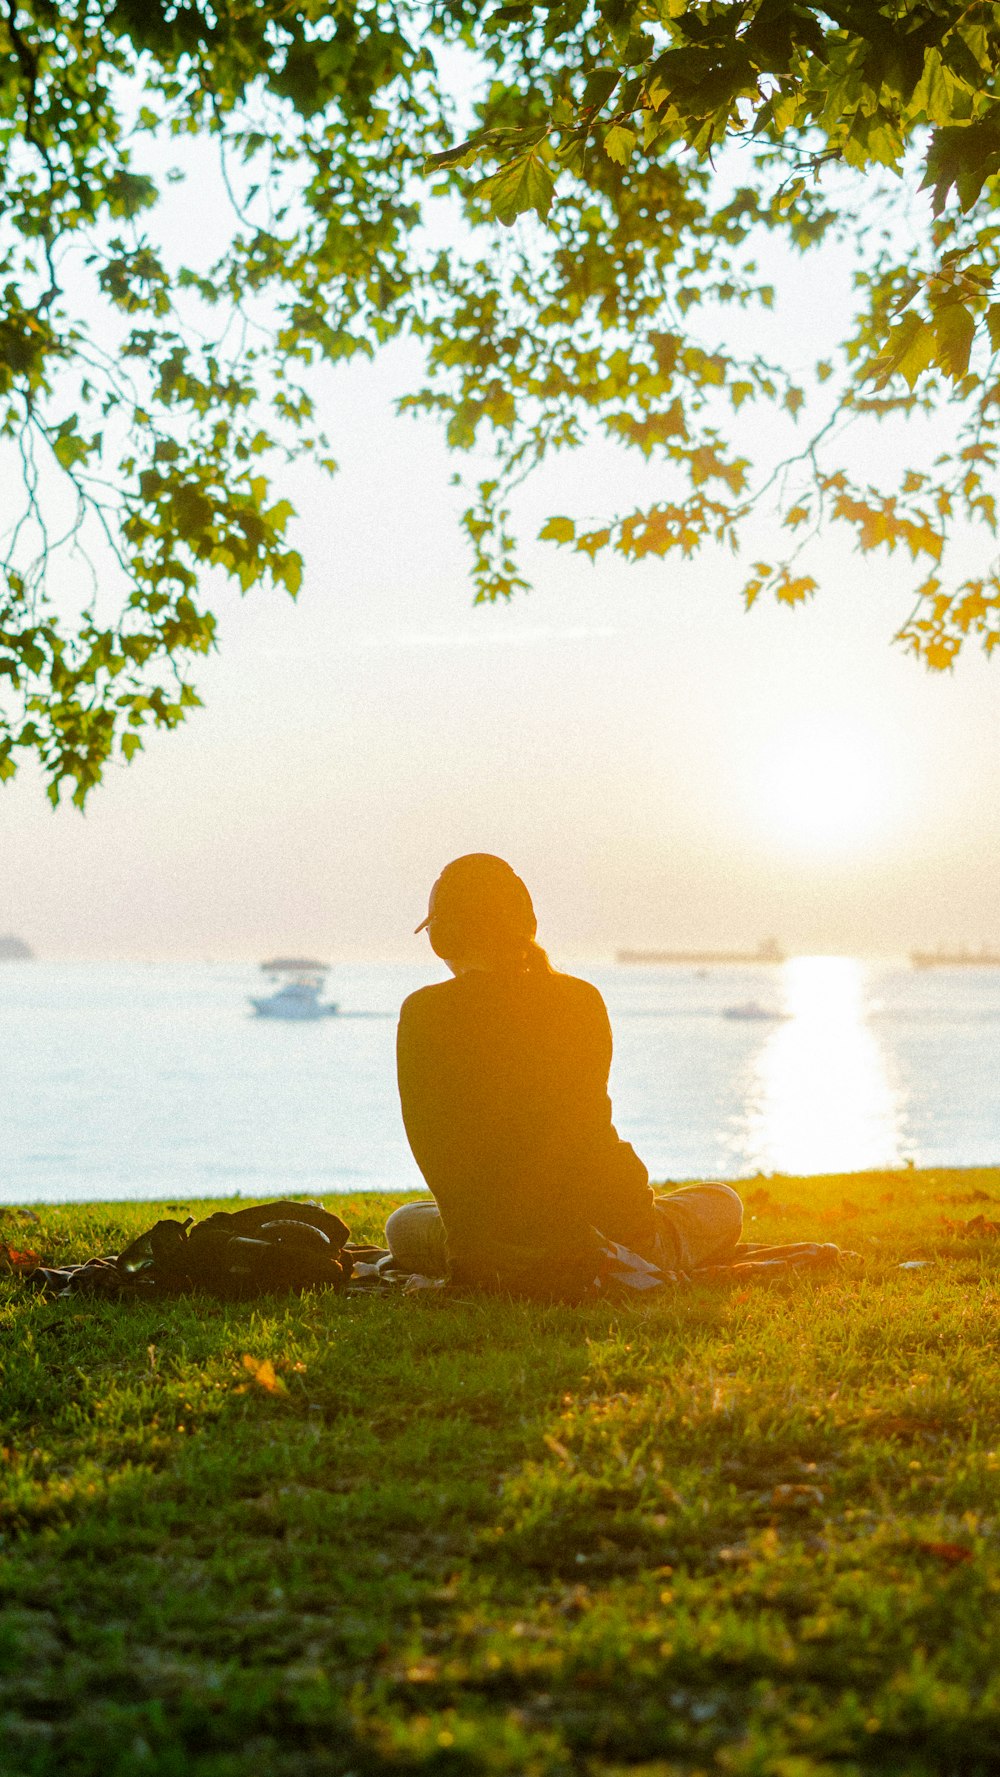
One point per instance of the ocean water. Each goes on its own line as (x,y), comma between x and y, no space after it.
(154,1080)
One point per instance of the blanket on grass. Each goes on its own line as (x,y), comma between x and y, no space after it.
(291,1246)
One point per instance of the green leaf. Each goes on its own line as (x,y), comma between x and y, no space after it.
(962,155)
(68,447)
(935,91)
(191,512)
(599,88)
(954,331)
(524,184)
(652,128)
(127,193)
(910,351)
(619,143)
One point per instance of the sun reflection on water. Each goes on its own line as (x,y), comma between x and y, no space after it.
(819,1098)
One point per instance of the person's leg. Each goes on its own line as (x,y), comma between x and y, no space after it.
(415,1236)
(698,1225)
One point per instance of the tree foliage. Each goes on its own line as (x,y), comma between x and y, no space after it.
(634,155)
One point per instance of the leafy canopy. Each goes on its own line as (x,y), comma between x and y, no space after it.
(635,156)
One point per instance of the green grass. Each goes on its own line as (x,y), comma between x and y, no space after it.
(748,1532)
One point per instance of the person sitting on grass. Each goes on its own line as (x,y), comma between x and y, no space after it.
(503,1082)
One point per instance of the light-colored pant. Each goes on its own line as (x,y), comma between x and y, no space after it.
(697,1225)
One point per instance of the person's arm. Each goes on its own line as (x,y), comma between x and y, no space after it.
(413,1081)
(435,1127)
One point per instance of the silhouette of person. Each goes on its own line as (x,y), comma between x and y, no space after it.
(503,1082)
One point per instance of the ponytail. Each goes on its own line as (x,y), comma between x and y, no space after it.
(528,958)
(536,960)
(505,953)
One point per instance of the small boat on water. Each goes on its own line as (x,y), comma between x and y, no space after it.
(14,950)
(298,982)
(753,1010)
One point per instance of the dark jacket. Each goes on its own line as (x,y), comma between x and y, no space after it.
(503,1081)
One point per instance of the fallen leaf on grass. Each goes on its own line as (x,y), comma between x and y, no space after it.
(976,1226)
(19,1259)
(845,1213)
(796,1496)
(423,1672)
(905,1425)
(558,1449)
(952,1554)
(262,1372)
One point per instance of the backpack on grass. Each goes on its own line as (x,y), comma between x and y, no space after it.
(232,1254)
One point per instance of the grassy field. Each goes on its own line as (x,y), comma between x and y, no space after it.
(742,1532)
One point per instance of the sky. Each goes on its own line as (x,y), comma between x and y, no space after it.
(661,767)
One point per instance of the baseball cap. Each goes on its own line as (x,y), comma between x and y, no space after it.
(484,890)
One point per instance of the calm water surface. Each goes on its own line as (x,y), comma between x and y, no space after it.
(153,1081)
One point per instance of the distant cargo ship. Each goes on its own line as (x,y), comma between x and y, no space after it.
(950,959)
(768,952)
(14,950)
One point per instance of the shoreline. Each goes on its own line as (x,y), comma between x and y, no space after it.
(744,1185)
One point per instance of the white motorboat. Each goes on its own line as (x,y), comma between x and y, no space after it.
(298,984)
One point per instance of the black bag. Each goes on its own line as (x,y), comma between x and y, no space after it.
(245,1252)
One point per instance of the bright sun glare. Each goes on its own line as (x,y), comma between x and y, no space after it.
(825,787)
(819,1098)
